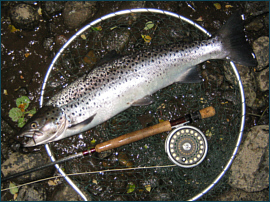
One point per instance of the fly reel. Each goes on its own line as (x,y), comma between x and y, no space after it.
(186,146)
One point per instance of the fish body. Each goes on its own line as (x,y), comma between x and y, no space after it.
(129,81)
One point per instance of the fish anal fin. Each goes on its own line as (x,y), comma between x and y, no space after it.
(147,100)
(191,75)
(82,124)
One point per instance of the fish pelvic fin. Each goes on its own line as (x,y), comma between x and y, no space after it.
(235,43)
(147,100)
(191,75)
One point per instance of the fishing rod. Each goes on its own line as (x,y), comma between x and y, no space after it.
(128,138)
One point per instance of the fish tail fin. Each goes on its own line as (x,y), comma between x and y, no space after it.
(235,43)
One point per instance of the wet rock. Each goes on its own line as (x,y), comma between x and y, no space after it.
(215,79)
(250,169)
(105,154)
(31,193)
(60,40)
(120,198)
(77,13)
(250,96)
(266,21)
(18,162)
(263,79)
(120,183)
(48,44)
(66,193)
(51,8)
(230,96)
(24,16)
(255,25)
(153,181)
(259,102)
(261,50)
(239,195)
(161,196)
(132,4)
(257,7)
(248,81)
(117,40)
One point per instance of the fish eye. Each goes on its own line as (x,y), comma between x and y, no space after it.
(33,125)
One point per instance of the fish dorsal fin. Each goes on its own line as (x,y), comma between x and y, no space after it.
(82,124)
(147,100)
(191,75)
(110,56)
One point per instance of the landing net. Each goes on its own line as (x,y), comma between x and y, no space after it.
(142,170)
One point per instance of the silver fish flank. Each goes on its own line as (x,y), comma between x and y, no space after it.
(129,81)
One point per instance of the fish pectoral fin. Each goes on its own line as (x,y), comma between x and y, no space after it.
(82,124)
(192,75)
(147,100)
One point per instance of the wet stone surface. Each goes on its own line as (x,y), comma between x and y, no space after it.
(252,174)
(24,65)
(24,16)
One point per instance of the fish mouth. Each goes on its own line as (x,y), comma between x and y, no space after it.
(31,134)
(29,138)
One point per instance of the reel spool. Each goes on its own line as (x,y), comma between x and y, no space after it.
(186,146)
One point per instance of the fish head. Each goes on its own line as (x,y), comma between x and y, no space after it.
(47,124)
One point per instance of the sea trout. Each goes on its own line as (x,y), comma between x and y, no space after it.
(130,80)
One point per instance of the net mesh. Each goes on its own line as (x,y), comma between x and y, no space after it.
(142,175)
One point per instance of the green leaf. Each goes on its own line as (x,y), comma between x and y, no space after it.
(23,100)
(131,187)
(13,189)
(98,28)
(149,25)
(32,111)
(15,114)
(21,122)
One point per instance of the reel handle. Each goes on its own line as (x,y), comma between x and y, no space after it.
(153,130)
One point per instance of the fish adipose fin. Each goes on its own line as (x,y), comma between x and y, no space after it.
(190,76)
(82,124)
(235,43)
(147,100)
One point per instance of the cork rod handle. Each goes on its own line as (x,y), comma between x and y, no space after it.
(134,136)
(207,112)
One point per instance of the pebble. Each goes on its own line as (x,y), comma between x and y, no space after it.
(48,43)
(248,81)
(261,50)
(31,193)
(50,8)
(255,25)
(263,80)
(65,192)
(24,16)
(76,13)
